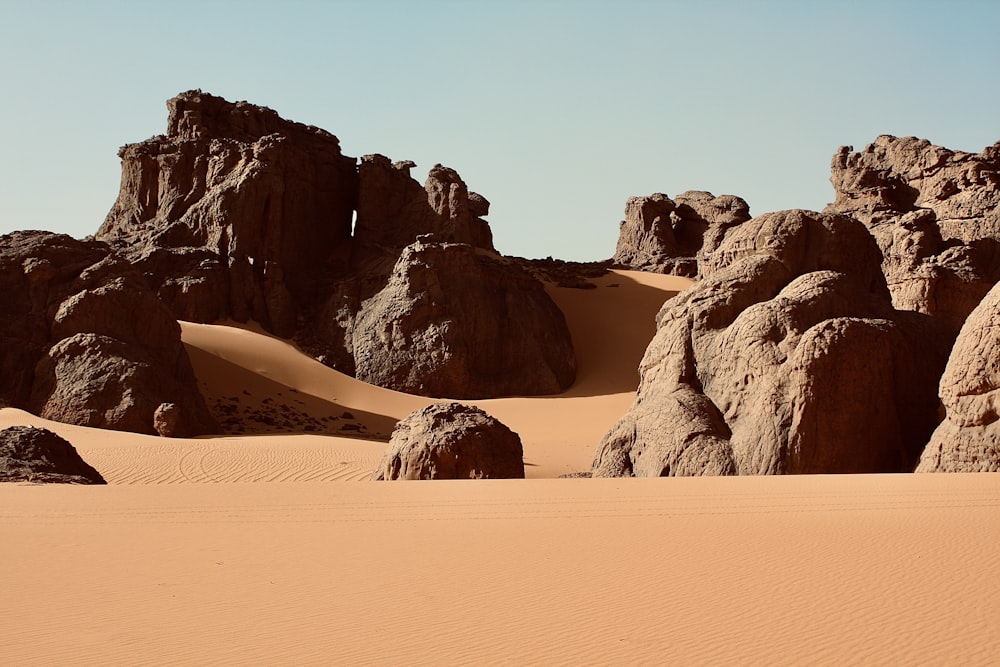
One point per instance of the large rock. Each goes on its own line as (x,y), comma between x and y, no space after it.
(787,358)
(86,341)
(663,235)
(935,214)
(271,199)
(462,322)
(29,454)
(968,440)
(451,441)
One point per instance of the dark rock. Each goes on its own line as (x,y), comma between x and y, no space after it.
(86,341)
(461,322)
(29,454)
(451,441)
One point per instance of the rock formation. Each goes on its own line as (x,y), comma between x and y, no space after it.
(787,358)
(451,441)
(968,440)
(86,342)
(936,216)
(461,322)
(238,213)
(666,235)
(29,454)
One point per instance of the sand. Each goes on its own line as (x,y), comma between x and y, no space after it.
(240,550)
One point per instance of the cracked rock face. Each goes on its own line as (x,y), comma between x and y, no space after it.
(451,441)
(968,440)
(935,214)
(786,359)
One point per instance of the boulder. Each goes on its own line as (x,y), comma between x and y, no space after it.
(935,214)
(451,441)
(29,454)
(968,440)
(86,341)
(786,359)
(663,235)
(462,322)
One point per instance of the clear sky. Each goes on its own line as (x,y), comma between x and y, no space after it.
(557,112)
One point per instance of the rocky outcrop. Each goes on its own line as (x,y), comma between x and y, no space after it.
(29,454)
(936,216)
(86,341)
(462,322)
(268,199)
(237,213)
(451,441)
(666,235)
(787,358)
(393,209)
(968,440)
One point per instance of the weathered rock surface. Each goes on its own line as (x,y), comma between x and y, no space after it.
(666,235)
(462,322)
(393,209)
(85,341)
(787,358)
(451,441)
(231,211)
(29,454)
(237,213)
(968,440)
(936,216)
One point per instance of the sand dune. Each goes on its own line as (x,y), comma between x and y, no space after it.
(821,570)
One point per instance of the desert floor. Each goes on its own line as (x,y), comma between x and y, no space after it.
(243,549)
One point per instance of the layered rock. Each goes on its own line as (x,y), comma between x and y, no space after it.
(29,454)
(666,235)
(451,441)
(968,440)
(935,214)
(787,358)
(461,322)
(268,198)
(393,209)
(237,213)
(86,341)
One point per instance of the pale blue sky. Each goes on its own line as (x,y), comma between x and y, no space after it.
(555,111)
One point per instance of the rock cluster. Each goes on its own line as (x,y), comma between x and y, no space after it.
(968,440)
(786,358)
(451,441)
(87,342)
(935,214)
(29,454)
(666,235)
(238,213)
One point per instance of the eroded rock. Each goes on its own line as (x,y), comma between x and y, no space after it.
(968,440)
(451,441)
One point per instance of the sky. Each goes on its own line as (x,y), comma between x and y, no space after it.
(555,111)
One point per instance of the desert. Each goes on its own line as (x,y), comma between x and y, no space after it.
(296,401)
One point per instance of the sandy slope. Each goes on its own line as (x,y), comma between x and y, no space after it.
(894,569)
(292,410)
